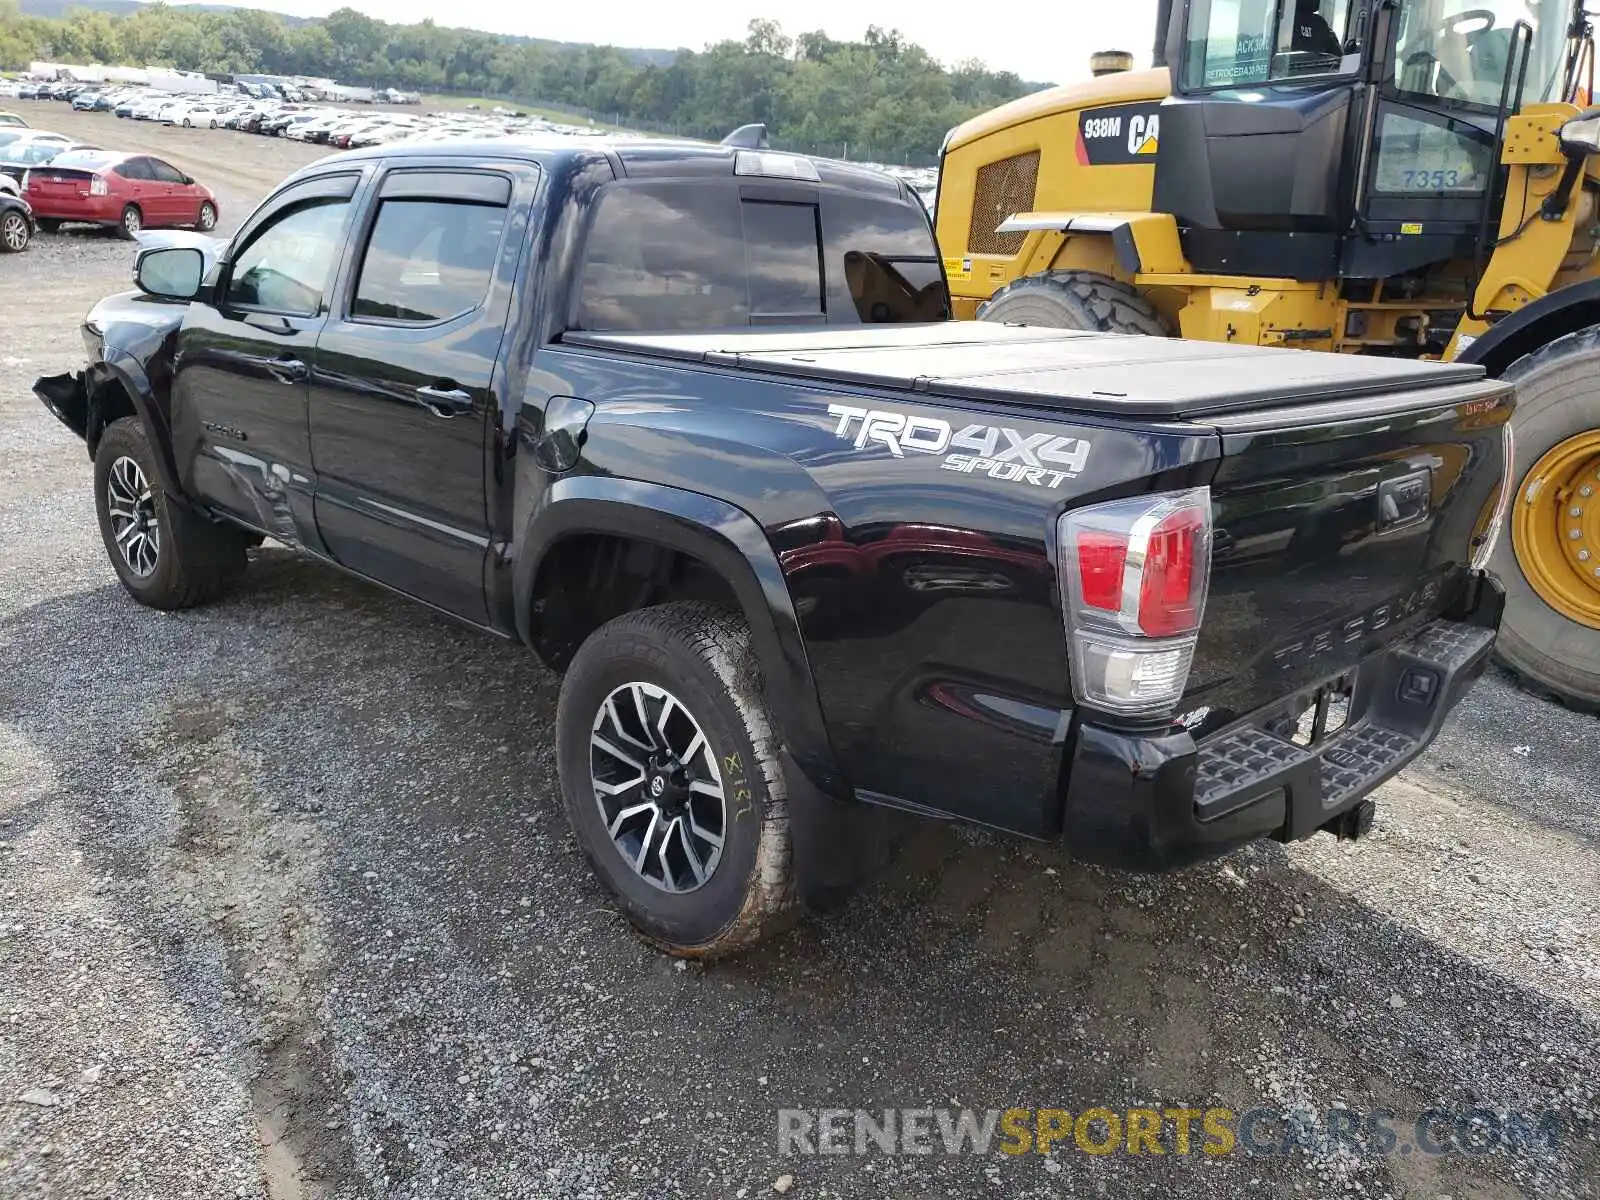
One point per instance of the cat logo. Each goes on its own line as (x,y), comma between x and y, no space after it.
(1119,134)
(1144,134)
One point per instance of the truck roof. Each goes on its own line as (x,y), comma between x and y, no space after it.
(1114,374)
(657,158)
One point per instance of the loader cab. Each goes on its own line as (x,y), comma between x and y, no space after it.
(1355,139)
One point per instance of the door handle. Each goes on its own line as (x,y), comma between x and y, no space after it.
(445,401)
(288,370)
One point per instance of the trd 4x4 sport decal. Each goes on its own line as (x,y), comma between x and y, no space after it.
(1119,134)
(1040,459)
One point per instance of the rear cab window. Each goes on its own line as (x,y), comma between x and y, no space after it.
(685,255)
(431,252)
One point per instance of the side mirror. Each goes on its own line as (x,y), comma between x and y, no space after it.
(171,273)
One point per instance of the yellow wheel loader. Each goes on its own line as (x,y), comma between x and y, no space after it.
(1413,178)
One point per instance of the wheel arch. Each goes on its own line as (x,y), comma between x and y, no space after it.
(118,388)
(580,513)
(1532,326)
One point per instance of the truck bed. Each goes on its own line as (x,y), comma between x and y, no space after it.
(1112,374)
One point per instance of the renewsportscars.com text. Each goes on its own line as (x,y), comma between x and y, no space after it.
(1263,1131)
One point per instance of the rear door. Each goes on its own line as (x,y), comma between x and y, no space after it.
(138,187)
(406,383)
(243,361)
(178,205)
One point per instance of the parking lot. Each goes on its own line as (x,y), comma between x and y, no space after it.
(288,908)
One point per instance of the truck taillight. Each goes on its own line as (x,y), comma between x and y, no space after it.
(1134,575)
(97,186)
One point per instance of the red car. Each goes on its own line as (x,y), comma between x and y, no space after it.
(128,191)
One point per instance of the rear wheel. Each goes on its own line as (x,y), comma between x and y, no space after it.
(1550,560)
(49,225)
(166,556)
(1074,300)
(132,222)
(14,232)
(671,778)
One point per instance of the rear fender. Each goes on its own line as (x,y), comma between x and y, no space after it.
(835,839)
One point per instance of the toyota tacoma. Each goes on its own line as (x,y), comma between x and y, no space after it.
(691,422)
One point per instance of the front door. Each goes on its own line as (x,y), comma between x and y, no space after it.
(404,393)
(243,363)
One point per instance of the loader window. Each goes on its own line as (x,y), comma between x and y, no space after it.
(1245,43)
(1459,49)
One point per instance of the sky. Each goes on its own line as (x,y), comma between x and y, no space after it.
(1043,42)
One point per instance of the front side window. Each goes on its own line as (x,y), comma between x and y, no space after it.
(285,268)
(1245,43)
(428,260)
(1461,49)
(163,173)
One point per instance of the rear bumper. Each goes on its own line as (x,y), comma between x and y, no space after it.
(96,210)
(1157,802)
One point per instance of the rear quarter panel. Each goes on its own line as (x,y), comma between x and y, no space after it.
(926,594)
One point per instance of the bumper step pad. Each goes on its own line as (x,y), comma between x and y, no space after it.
(1401,698)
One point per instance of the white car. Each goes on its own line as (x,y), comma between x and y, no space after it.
(190,116)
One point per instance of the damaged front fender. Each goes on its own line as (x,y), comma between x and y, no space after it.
(67,397)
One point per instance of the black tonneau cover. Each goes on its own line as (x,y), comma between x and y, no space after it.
(1161,378)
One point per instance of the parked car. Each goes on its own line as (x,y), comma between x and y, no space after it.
(22,156)
(128,192)
(17,225)
(10,120)
(570,442)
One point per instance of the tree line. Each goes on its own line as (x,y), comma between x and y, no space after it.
(882,94)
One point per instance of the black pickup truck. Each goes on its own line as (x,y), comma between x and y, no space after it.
(689,422)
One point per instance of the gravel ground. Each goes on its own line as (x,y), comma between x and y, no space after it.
(288,909)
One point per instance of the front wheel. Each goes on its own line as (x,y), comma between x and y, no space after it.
(166,556)
(14,232)
(1549,557)
(207,220)
(671,778)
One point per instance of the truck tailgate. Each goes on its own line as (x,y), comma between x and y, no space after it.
(1340,527)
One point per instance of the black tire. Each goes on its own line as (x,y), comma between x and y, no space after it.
(702,657)
(15,233)
(1557,398)
(207,219)
(49,225)
(131,223)
(195,560)
(1074,300)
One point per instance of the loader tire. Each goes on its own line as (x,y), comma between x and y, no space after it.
(1550,635)
(1074,300)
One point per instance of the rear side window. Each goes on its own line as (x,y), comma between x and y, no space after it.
(691,256)
(135,168)
(428,260)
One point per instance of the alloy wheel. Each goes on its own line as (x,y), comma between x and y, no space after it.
(208,217)
(134,523)
(655,780)
(131,221)
(14,231)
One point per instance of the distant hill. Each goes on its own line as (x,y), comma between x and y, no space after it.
(56,9)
